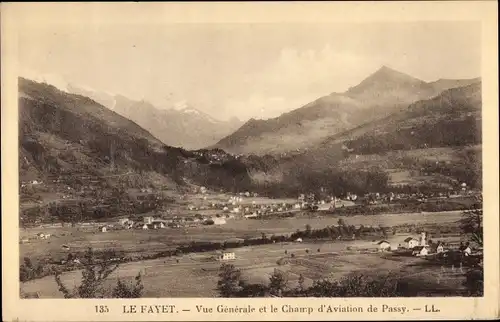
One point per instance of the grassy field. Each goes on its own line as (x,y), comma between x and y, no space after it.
(138,241)
(195,275)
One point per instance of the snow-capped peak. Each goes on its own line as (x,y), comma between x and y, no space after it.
(190,110)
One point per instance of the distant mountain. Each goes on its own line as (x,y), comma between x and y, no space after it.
(444,84)
(438,140)
(384,92)
(188,127)
(62,134)
(453,118)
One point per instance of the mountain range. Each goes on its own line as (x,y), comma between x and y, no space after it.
(72,136)
(390,129)
(433,142)
(187,127)
(381,94)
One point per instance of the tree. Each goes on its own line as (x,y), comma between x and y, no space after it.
(229,280)
(357,285)
(278,282)
(27,270)
(308,230)
(93,276)
(27,262)
(472,221)
(122,290)
(474,281)
(301,283)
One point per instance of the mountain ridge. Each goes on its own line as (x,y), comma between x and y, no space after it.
(72,136)
(187,127)
(382,93)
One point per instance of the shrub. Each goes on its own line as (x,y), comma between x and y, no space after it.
(229,280)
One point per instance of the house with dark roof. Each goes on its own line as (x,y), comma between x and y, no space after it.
(411,242)
(384,245)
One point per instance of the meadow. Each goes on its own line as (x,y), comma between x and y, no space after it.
(140,242)
(196,275)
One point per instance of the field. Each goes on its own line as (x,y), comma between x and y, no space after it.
(195,275)
(153,241)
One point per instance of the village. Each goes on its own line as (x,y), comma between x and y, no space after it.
(195,231)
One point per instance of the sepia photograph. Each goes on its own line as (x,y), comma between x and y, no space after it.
(339,159)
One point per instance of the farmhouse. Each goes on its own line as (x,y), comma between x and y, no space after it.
(123,221)
(103,229)
(411,242)
(227,256)
(384,245)
(158,224)
(129,224)
(420,251)
(218,221)
(439,247)
(148,220)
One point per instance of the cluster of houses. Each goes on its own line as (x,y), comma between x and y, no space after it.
(418,247)
(38,236)
(213,156)
(239,206)
(31,182)
(150,222)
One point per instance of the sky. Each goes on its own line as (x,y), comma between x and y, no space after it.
(245,70)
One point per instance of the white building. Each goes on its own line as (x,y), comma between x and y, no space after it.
(421,251)
(384,245)
(411,242)
(227,256)
(148,219)
(218,221)
(123,221)
(158,224)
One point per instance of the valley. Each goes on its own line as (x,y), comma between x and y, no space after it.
(314,194)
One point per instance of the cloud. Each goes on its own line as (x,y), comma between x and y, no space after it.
(263,107)
(298,77)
